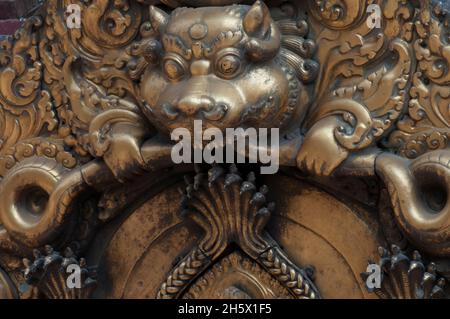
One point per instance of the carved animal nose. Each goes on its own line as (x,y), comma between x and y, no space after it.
(190,105)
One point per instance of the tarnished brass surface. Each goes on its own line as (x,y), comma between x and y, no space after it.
(359,89)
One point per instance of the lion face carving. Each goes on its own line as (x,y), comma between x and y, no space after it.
(223,66)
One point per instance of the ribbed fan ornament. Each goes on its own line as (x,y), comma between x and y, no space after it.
(233,212)
(49,272)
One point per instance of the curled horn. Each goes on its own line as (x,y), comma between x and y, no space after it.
(265,38)
(419,192)
(158,19)
(35,208)
(37,198)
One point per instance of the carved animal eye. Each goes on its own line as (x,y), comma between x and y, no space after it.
(228,65)
(174,68)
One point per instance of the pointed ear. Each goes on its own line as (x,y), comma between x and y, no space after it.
(257,20)
(158,18)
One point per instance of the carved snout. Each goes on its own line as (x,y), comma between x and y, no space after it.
(192,105)
(419,193)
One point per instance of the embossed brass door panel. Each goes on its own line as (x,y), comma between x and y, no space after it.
(354,92)
(299,225)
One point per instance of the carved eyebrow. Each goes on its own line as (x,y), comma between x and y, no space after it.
(173,43)
(225,39)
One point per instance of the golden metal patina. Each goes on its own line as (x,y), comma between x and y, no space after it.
(359,90)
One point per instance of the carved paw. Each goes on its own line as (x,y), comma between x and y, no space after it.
(123,150)
(124,157)
(320,154)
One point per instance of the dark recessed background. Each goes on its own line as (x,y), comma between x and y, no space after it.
(11,11)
